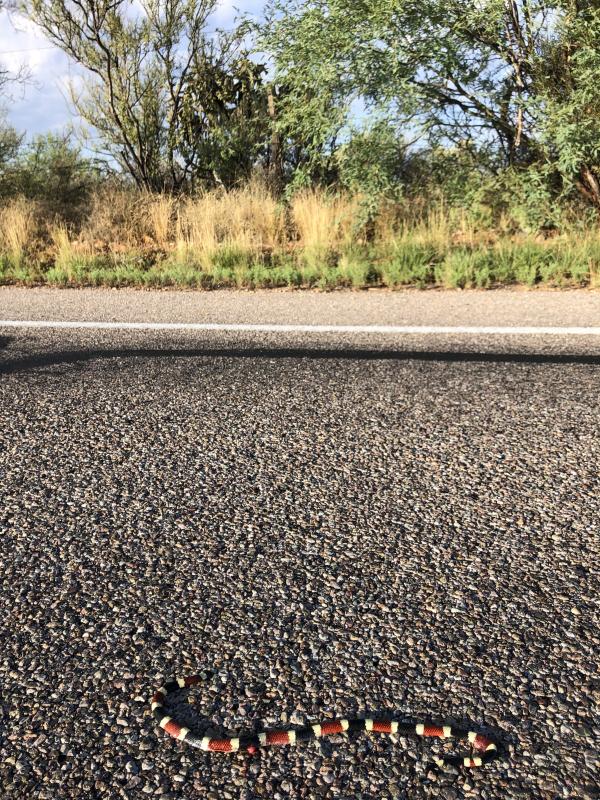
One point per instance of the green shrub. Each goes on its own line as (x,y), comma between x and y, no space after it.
(529,261)
(357,270)
(463,268)
(571,263)
(51,170)
(230,258)
(409,263)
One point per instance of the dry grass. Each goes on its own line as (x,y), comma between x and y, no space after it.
(161,216)
(436,228)
(245,237)
(17,230)
(117,221)
(67,253)
(247,220)
(325,222)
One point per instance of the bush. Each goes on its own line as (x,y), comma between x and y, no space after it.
(464,268)
(409,263)
(52,171)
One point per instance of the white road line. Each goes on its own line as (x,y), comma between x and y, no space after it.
(419,330)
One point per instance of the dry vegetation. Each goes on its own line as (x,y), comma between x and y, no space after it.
(246,238)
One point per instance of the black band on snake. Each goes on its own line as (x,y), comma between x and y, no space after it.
(483,749)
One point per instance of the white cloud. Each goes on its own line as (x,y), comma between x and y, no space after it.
(21,42)
(228,10)
(39,105)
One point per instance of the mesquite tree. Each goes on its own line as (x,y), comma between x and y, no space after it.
(569,87)
(458,68)
(516,79)
(171,102)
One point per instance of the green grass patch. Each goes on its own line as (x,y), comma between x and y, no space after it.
(521,262)
(560,262)
(409,264)
(105,270)
(464,268)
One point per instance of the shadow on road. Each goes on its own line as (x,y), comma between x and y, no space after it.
(67,357)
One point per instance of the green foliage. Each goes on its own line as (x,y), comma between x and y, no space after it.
(314,98)
(10,144)
(372,162)
(523,196)
(458,71)
(456,174)
(465,268)
(564,262)
(570,98)
(483,87)
(229,258)
(491,107)
(52,171)
(224,123)
(356,269)
(409,263)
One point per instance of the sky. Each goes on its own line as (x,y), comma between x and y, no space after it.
(42,105)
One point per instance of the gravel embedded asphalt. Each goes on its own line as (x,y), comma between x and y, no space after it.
(339,526)
(408,307)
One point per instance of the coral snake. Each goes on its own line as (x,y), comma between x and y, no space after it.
(483,748)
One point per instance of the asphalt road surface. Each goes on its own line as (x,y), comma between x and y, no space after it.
(340,526)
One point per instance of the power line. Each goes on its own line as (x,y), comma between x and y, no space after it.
(27,50)
(54,47)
